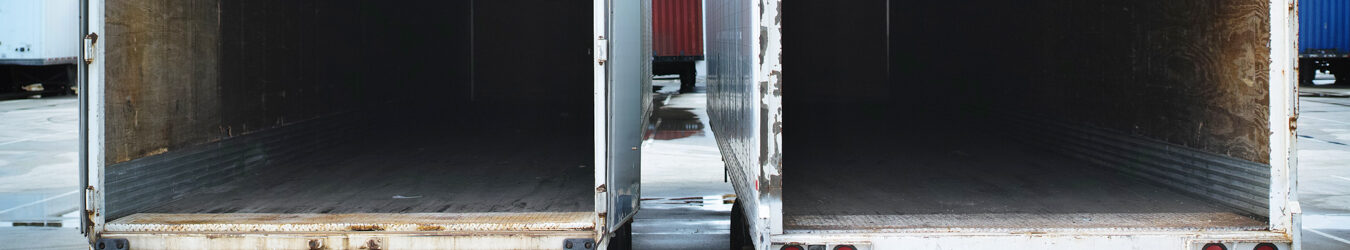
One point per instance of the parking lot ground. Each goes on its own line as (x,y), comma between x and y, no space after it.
(1324,170)
(38,173)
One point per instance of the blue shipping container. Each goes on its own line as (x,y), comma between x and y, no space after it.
(1324,24)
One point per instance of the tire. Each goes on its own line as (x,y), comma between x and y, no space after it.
(7,80)
(687,77)
(1307,71)
(1341,69)
(623,238)
(72,79)
(740,229)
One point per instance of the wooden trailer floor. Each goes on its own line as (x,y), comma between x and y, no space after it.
(950,177)
(423,168)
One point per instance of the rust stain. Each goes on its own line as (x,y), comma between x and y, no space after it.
(89,220)
(430,228)
(366,228)
(154,152)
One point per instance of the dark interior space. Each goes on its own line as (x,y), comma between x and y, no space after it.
(350,106)
(927,105)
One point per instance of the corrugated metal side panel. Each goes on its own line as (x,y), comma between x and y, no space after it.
(677,27)
(1324,24)
(731,100)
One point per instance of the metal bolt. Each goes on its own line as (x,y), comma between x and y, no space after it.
(373,244)
(315,244)
(567,244)
(588,245)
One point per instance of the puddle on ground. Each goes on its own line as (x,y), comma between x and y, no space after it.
(712,202)
(673,123)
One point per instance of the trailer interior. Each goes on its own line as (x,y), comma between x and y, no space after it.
(1014,115)
(340,107)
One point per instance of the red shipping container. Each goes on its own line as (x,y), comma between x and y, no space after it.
(677,30)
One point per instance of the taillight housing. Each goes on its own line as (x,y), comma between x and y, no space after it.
(845,247)
(1214,246)
(1266,246)
(793,247)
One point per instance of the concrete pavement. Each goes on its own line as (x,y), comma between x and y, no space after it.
(686,203)
(38,173)
(1324,171)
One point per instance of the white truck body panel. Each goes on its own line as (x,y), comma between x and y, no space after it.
(745,51)
(39,32)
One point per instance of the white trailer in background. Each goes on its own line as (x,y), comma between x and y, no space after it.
(39,43)
(894,147)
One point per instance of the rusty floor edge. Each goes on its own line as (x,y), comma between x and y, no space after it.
(1073,222)
(354,223)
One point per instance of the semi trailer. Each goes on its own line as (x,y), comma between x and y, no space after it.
(39,44)
(357,124)
(1046,124)
(1324,40)
(677,39)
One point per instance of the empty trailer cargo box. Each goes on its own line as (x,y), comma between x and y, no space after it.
(359,124)
(1043,124)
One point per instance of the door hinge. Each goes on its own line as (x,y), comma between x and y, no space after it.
(89,41)
(601,50)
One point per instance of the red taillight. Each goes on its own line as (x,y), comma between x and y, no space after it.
(845,247)
(1265,246)
(1214,246)
(793,247)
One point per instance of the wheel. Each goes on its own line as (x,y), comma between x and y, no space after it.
(1341,69)
(72,79)
(7,80)
(687,77)
(1307,71)
(735,231)
(740,229)
(623,238)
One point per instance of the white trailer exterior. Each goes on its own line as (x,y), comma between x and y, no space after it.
(117,51)
(746,47)
(39,32)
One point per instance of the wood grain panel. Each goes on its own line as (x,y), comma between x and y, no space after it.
(161,75)
(1187,72)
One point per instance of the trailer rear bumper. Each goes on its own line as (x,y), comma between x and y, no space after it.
(357,231)
(1096,239)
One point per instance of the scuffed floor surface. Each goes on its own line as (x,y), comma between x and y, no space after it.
(892,174)
(425,166)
